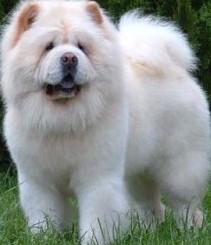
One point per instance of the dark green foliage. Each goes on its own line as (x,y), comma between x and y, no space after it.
(193,16)
(4,156)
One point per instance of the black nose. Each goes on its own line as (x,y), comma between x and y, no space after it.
(69,61)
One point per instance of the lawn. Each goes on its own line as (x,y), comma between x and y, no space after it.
(13,229)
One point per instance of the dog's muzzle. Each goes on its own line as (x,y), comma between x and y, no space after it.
(67,88)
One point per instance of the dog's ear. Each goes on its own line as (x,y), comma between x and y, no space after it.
(94,10)
(25,18)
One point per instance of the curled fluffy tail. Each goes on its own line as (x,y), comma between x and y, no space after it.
(155,43)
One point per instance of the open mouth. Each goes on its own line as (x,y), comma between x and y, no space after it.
(67,88)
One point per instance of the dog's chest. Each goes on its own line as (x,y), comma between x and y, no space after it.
(59,155)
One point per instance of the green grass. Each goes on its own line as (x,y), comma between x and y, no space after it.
(13,229)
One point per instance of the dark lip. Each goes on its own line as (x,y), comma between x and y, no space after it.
(66,86)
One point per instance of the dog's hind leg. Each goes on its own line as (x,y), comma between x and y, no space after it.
(184,183)
(146,200)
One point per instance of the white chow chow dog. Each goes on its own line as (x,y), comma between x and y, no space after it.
(101,114)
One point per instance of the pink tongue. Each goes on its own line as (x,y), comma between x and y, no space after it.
(67,84)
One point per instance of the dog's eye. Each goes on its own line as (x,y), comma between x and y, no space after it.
(50,46)
(82,48)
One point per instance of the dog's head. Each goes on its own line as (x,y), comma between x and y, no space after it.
(61,59)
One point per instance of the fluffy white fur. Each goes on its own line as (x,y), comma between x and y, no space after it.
(140,128)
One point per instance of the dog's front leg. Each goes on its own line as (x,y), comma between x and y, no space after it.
(103,210)
(44,206)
